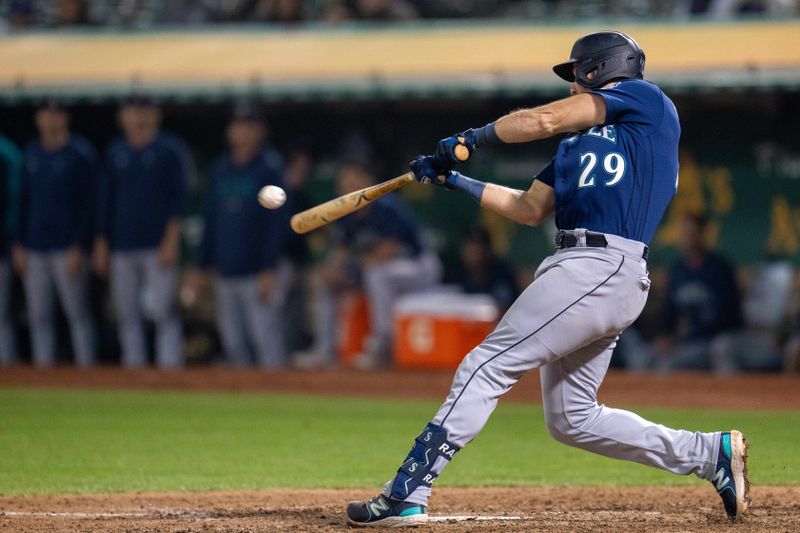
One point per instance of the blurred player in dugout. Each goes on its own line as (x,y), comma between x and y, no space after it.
(54,232)
(701,302)
(482,272)
(379,250)
(243,244)
(140,209)
(10,167)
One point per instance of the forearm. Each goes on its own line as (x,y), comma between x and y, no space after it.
(529,207)
(510,203)
(526,125)
(172,233)
(575,113)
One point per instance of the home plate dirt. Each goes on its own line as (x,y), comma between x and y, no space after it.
(512,510)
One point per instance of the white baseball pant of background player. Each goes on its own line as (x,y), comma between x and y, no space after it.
(566,323)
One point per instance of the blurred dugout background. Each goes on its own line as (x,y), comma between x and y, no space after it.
(382,80)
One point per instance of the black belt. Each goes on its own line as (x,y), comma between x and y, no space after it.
(565,239)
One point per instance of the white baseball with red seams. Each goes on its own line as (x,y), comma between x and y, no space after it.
(271,197)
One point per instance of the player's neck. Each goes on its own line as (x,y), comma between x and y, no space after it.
(696,257)
(52,141)
(141,138)
(242,155)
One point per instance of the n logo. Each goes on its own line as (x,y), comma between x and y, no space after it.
(377,506)
(720,481)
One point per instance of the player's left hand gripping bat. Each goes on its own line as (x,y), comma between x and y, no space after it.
(322,214)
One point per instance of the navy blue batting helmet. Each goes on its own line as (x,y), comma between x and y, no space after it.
(605,56)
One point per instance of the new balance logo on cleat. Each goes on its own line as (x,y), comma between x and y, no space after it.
(377,506)
(381,511)
(721,480)
(730,476)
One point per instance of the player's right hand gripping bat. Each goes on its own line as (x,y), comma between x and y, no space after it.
(322,214)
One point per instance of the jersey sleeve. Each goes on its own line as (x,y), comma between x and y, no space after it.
(547,175)
(633,101)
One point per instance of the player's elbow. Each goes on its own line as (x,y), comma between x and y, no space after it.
(532,212)
(532,217)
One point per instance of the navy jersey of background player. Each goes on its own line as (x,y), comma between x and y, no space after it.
(386,218)
(232,209)
(141,190)
(702,300)
(56,196)
(618,178)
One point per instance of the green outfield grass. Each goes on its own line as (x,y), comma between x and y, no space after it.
(54,441)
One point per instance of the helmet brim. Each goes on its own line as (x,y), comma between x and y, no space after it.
(564,70)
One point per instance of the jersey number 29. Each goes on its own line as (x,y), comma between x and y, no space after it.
(613,164)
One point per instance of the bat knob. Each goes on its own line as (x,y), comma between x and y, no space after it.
(461,152)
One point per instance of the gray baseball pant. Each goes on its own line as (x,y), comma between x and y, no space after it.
(243,316)
(8,345)
(46,271)
(566,324)
(142,287)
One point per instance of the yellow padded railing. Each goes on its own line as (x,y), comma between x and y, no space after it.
(416,52)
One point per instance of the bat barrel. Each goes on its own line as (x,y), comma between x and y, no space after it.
(322,214)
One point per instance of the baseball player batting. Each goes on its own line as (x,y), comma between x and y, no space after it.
(608,185)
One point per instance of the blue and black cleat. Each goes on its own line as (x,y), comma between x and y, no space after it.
(381,511)
(730,475)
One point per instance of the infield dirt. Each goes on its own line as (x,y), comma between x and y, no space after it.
(549,508)
(577,509)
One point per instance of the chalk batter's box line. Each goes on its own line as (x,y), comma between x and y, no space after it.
(189,514)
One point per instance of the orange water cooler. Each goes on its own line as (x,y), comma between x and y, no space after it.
(354,325)
(438,330)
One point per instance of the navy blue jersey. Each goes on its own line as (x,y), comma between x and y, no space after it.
(619,177)
(386,218)
(56,198)
(240,237)
(141,190)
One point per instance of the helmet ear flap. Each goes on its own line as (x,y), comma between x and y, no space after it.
(641,63)
(637,59)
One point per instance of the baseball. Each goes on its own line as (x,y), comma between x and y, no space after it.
(271,197)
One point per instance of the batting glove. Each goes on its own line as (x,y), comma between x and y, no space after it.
(444,157)
(471,139)
(426,170)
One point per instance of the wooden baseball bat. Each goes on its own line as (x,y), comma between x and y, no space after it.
(322,214)
(319,215)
